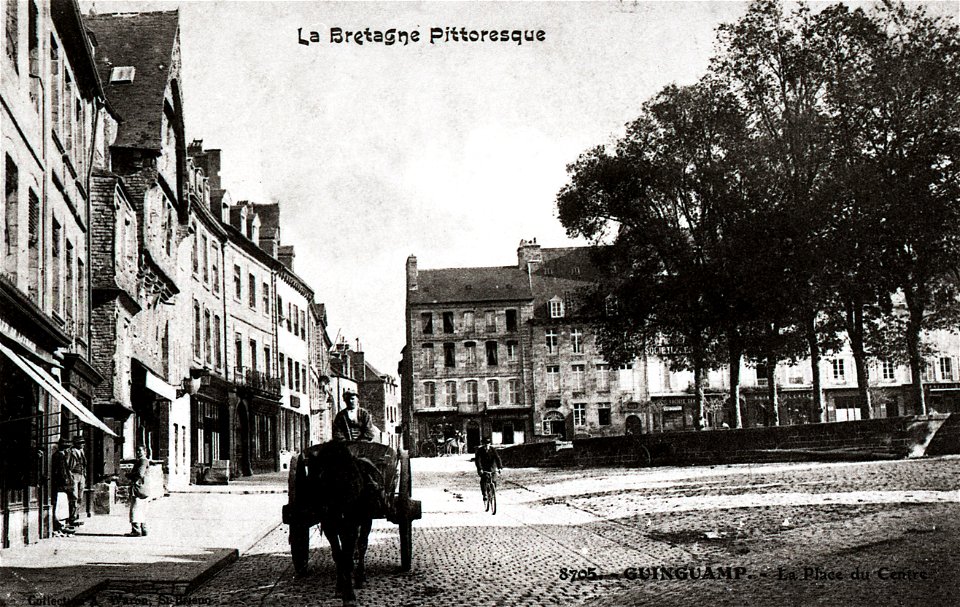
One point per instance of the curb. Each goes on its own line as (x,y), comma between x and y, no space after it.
(177,588)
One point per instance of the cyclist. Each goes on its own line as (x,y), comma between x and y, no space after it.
(486,459)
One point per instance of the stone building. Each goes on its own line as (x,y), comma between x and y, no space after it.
(378,395)
(54,128)
(139,303)
(319,347)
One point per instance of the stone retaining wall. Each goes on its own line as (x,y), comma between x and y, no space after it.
(884,438)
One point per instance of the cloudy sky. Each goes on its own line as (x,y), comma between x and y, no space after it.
(452,151)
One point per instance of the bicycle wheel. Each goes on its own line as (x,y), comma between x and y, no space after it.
(492,493)
(428,449)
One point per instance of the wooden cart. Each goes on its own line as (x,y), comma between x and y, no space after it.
(302,510)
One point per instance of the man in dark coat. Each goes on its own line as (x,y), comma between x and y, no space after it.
(61,481)
(353,422)
(78,471)
(487,460)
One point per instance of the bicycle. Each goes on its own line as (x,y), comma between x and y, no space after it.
(488,486)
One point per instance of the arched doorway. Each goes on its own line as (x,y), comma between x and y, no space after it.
(473,436)
(634,425)
(554,424)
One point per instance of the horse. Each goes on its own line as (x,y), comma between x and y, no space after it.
(350,497)
(452,446)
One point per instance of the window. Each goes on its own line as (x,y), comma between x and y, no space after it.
(492,354)
(267,360)
(195,257)
(471,349)
(289,316)
(929,371)
(238,350)
(296,320)
(215,270)
(448,322)
(426,323)
(283,369)
(511,320)
(553,378)
(207,337)
(290,373)
(490,320)
(237,283)
(13,33)
(556,308)
(512,351)
(217,356)
(449,355)
(68,289)
(839,375)
(429,394)
(450,394)
(946,368)
(578,378)
(468,322)
(253,354)
(493,392)
(579,414)
(196,329)
(513,392)
(888,371)
(603,414)
(124,73)
(169,229)
(33,247)
(81,299)
(55,85)
(296,376)
(625,379)
(603,377)
(266,298)
(472,393)
(576,340)
(252,293)
(206,259)
(279,311)
(552,338)
(55,245)
(762,379)
(303,324)
(12,213)
(428,357)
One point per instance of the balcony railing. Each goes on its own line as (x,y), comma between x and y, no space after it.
(256,380)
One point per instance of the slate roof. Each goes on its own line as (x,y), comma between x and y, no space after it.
(146,42)
(471,284)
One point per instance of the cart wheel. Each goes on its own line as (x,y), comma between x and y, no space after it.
(428,449)
(300,546)
(404,493)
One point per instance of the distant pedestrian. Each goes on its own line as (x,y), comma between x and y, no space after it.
(61,481)
(138,494)
(78,471)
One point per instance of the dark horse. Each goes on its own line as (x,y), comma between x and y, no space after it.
(349,493)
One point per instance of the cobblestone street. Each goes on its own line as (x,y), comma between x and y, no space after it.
(789,534)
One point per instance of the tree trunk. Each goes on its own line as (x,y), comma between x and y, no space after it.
(772,391)
(914,327)
(814,344)
(854,318)
(736,355)
(700,413)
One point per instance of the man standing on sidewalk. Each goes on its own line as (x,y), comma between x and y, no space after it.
(78,472)
(62,481)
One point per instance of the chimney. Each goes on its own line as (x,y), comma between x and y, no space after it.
(285,256)
(528,255)
(412,273)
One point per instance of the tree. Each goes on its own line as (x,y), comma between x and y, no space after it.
(665,193)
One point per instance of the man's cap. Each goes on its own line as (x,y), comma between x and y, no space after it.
(487,439)
(78,440)
(349,391)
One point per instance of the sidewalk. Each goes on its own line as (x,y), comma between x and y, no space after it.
(192,535)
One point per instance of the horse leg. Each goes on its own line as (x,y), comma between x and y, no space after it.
(348,545)
(336,551)
(360,574)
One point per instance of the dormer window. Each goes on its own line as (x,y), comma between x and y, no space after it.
(123,73)
(556,307)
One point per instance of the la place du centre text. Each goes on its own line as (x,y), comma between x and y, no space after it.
(438,35)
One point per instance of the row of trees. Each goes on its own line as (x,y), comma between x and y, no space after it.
(803,191)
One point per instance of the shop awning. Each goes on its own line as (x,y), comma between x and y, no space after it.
(55,389)
(158,386)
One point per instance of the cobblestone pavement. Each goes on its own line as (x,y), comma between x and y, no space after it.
(759,525)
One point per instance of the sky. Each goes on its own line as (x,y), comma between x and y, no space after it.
(452,151)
